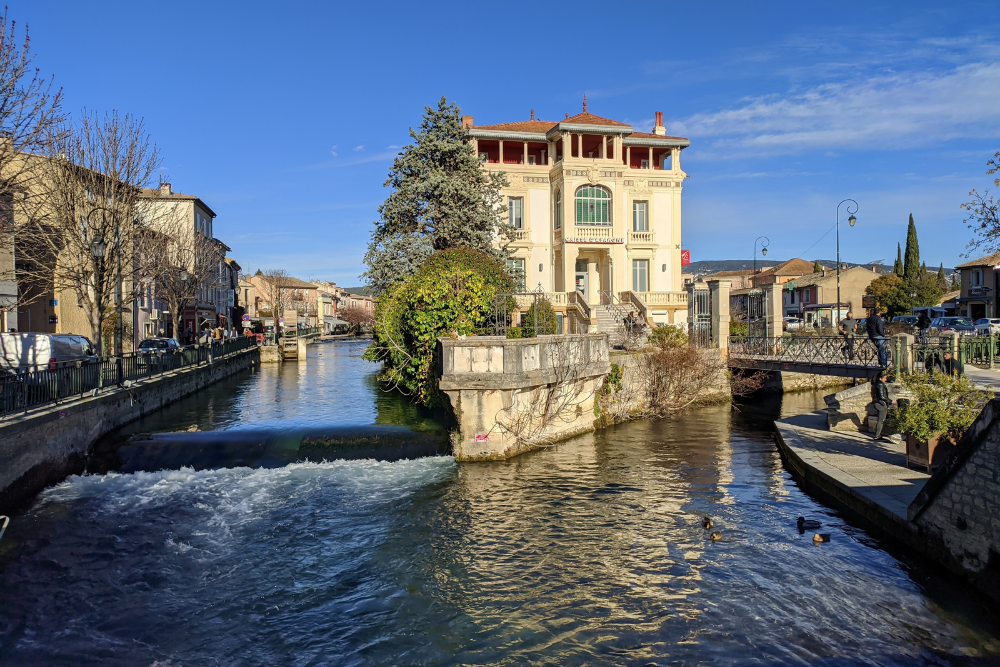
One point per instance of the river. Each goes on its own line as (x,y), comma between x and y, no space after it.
(590,552)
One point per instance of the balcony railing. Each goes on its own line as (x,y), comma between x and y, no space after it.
(593,232)
(518,234)
(664,298)
(640,237)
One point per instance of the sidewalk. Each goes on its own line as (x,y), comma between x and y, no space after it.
(987,379)
(866,476)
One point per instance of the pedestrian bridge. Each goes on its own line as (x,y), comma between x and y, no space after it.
(818,355)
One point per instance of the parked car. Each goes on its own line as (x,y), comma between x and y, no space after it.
(910,320)
(988,326)
(947,324)
(156,344)
(40,351)
(792,323)
(151,351)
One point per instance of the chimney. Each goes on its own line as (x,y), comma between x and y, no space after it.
(532,114)
(466,121)
(824,272)
(165,188)
(659,129)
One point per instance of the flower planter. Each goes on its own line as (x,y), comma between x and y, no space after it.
(929,454)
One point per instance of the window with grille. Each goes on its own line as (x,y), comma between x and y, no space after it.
(515,212)
(640,219)
(593,206)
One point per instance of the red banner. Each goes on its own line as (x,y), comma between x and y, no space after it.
(685,257)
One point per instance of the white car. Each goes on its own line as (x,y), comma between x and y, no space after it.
(988,326)
(792,323)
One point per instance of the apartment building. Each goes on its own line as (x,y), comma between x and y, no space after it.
(594,207)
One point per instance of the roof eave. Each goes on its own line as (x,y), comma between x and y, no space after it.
(507,134)
(671,142)
(585,128)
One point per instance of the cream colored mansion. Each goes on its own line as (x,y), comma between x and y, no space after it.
(596,213)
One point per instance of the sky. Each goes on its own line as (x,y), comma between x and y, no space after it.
(285,117)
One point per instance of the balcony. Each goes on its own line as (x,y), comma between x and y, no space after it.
(640,237)
(663,298)
(597,233)
(518,235)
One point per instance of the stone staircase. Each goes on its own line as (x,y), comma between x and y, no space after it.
(606,322)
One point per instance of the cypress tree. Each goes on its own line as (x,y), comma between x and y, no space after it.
(923,268)
(441,198)
(911,261)
(897,268)
(941,272)
(816,267)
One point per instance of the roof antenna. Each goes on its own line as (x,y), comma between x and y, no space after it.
(585,103)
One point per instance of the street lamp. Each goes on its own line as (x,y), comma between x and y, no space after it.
(98,246)
(913,296)
(763,252)
(851,220)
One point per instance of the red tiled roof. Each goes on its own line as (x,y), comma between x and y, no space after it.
(647,135)
(540,126)
(587,118)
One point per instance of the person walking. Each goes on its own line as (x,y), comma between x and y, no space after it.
(847,328)
(923,324)
(876,332)
(880,401)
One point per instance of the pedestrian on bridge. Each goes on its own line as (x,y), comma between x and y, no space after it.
(876,331)
(848,327)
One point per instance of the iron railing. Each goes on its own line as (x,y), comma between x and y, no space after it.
(23,390)
(813,350)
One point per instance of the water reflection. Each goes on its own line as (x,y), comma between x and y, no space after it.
(590,552)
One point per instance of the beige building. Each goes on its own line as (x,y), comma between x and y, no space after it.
(595,208)
(814,295)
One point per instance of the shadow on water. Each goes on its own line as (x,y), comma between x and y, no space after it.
(331,407)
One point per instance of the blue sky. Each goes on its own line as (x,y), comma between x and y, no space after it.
(285,117)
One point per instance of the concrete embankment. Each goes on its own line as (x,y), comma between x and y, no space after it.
(951,516)
(43,446)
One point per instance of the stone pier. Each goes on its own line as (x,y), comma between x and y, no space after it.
(514,395)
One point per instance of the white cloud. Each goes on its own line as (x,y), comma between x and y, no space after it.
(392,147)
(333,151)
(890,111)
(359,148)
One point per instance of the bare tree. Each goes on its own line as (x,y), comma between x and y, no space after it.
(80,234)
(30,113)
(180,267)
(984,214)
(359,318)
(276,291)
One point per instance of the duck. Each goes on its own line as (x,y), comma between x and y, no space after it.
(706,523)
(821,537)
(715,536)
(807,524)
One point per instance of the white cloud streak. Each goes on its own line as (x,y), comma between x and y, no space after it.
(890,111)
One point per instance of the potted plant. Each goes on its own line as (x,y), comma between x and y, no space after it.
(941,410)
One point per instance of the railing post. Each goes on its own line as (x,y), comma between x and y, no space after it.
(719,290)
(773,312)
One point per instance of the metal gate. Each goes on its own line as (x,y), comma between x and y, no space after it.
(700,317)
(748,313)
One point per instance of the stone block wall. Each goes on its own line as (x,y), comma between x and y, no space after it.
(959,508)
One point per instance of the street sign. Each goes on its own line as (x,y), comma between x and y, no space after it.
(281,320)
(868,301)
(685,258)
(246,318)
(246,324)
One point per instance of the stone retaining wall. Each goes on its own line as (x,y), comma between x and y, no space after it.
(44,446)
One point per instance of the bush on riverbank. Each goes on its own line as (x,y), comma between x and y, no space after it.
(451,294)
(942,404)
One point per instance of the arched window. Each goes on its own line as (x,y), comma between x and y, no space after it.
(593,206)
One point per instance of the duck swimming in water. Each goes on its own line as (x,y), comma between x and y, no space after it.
(716,536)
(706,523)
(819,538)
(807,524)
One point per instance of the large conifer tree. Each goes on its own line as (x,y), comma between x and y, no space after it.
(441,198)
(911,261)
(897,268)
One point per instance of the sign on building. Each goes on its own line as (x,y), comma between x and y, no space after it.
(685,258)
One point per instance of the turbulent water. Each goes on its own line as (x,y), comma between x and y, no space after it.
(587,553)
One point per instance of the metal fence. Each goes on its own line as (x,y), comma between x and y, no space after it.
(700,324)
(22,390)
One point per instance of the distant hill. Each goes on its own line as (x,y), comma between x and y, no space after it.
(714,265)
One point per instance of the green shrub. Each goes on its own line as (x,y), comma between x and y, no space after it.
(515,332)
(668,336)
(546,319)
(741,329)
(942,403)
(451,294)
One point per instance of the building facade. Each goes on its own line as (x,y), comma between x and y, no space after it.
(980,283)
(594,208)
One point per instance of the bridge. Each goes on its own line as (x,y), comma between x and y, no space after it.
(817,355)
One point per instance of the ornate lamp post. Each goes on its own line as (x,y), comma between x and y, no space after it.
(98,247)
(851,220)
(763,252)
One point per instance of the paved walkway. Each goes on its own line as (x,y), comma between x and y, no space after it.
(984,378)
(866,472)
